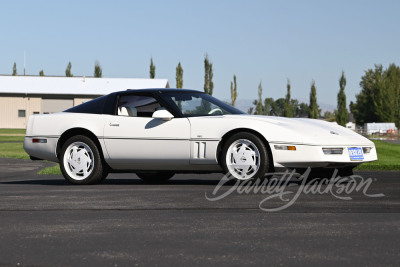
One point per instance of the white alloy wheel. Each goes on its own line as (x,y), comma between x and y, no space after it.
(243,159)
(78,160)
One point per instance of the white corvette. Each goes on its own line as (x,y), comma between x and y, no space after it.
(156,133)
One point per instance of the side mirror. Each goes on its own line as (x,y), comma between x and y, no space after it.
(163,114)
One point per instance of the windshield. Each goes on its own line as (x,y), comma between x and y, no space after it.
(192,104)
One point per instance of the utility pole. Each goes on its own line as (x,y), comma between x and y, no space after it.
(24,62)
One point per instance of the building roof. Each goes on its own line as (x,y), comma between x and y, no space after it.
(73,85)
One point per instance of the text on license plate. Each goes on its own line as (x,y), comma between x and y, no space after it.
(356,153)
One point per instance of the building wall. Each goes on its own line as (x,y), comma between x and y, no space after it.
(11,105)
(56,105)
(78,101)
(9,109)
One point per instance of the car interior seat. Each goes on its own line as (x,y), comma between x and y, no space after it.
(132,111)
(122,111)
(127,111)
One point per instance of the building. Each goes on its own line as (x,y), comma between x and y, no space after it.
(380,128)
(351,125)
(21,96)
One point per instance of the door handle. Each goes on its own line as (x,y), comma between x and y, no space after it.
(114,124)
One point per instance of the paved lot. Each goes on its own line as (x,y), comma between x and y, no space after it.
(123,222)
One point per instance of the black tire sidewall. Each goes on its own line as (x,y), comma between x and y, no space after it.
(98,172)
(264,160)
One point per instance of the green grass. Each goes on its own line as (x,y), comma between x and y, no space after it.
(388,157)
(9,138)
(13,150)
(12,135)
(51,170)
(12,131)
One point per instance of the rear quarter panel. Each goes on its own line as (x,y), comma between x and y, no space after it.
(56,124)
(52,126)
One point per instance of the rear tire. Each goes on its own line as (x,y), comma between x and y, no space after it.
(81,162)
(155,177)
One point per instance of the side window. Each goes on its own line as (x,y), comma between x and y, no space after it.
(137,106)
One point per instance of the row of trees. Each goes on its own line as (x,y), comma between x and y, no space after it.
(378,101)
(285,107)
(288,107)
(98,71)
(208,77)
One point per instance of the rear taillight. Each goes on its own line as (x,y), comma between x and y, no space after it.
(38,140)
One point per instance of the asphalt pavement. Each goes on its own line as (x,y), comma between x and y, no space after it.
(195,220)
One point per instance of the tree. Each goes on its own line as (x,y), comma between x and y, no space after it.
(179,76)
(68,72)
(294,105)
(233,91)
(288,110)
(208,76)
(269,106)
(342,114)
(379,99)
(278,108)
(41,73)
(314,111)
(98,71)
(259,103)
(390,111)
(14,71)
(302,111)
(152,69)
(330,116)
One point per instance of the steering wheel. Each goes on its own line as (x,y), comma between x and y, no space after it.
(216,111)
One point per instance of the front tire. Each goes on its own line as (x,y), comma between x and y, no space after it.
(245,157)
(80,161)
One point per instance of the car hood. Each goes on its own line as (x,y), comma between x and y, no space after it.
(306,131)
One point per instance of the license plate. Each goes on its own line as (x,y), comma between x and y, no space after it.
(356,153)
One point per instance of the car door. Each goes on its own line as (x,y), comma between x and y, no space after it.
(135,140)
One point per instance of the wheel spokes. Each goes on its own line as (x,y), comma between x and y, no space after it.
(243,159)
(79,160)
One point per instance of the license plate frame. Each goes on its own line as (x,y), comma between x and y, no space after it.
(356,153)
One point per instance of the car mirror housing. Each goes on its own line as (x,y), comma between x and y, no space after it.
(165,115)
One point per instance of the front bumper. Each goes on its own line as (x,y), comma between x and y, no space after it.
(313,156)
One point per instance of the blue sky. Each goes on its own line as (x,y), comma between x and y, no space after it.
(267,41)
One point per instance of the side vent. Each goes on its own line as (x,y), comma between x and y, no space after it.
(199,150)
